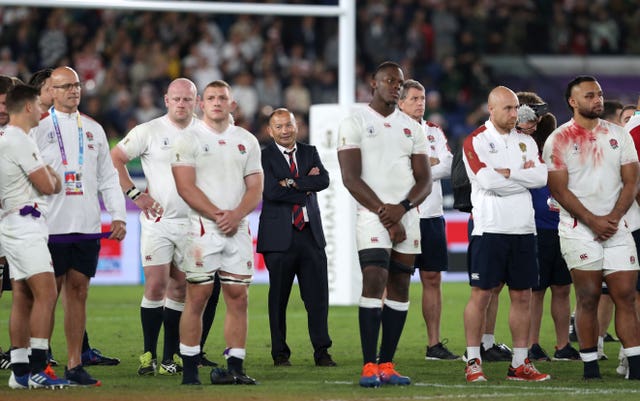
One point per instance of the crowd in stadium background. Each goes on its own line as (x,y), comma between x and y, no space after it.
(126,59)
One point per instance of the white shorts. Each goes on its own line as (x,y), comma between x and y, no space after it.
(24,242)
(618,253)
(162,242)
(370,233)
(208,251)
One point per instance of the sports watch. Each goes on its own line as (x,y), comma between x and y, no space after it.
(289,182)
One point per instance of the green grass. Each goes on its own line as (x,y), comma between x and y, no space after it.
(114,328)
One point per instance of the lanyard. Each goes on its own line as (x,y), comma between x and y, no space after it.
(63,154)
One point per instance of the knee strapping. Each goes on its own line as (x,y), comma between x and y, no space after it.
(374,257)
(234,280)
(396,266)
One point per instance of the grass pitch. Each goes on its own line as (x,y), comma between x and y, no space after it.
(114,328)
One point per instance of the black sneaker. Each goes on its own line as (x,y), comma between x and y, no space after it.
(93,356)
(497,353)
(220,376)
(80,377)
(440,352)
(608,338)
(536,353)
(573,334)
(206,362)
(566,353)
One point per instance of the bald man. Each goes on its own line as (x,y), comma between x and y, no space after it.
(164,223)
(502,164)
(76,147)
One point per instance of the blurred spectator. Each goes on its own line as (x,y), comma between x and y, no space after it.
(297,97)
(146,110)
(269,90)
(7,65)
(246,96)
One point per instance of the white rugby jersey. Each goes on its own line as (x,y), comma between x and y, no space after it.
(386,145)
(593,160)
(436,147)
(222,161)
(19,157)
(153,142)
(502,205)
(80,213)
(633,128)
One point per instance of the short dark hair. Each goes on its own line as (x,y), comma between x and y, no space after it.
(6,83)
(37,79)
(384,65)
(575,82)
(610,109)
(19,95)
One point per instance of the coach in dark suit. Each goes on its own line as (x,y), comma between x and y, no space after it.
(290,236)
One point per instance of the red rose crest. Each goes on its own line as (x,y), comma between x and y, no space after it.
(614,143)
(407,132)
(242,149)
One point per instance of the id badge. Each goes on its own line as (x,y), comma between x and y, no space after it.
(72,183)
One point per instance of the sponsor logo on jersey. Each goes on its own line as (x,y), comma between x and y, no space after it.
(475,276)
(492,148)
(584,256)
(90,146)
(222,142)
(205,148)
(374,240)
(50,136)
(148,258)
(387,125)
(632,259)
(416,243)
(249,264)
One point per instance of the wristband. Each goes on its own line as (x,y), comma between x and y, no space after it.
(406,204)
(133,193)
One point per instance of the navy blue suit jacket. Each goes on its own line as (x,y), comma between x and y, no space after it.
(276,228)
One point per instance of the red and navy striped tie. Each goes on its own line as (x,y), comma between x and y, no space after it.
(298,215)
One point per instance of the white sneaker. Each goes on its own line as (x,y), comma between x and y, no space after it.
(623,364)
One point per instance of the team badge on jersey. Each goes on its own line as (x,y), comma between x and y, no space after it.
(242,149)
(523,147)
(614,143)
(407,132)
(89,136)
(431,138)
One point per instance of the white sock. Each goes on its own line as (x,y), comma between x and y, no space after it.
(488,340)
(519,355)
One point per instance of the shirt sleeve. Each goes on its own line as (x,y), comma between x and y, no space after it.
(135,143)
(27,155)
(629,153)
(443,153)
(349,134)
(553,154)
(254,157)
